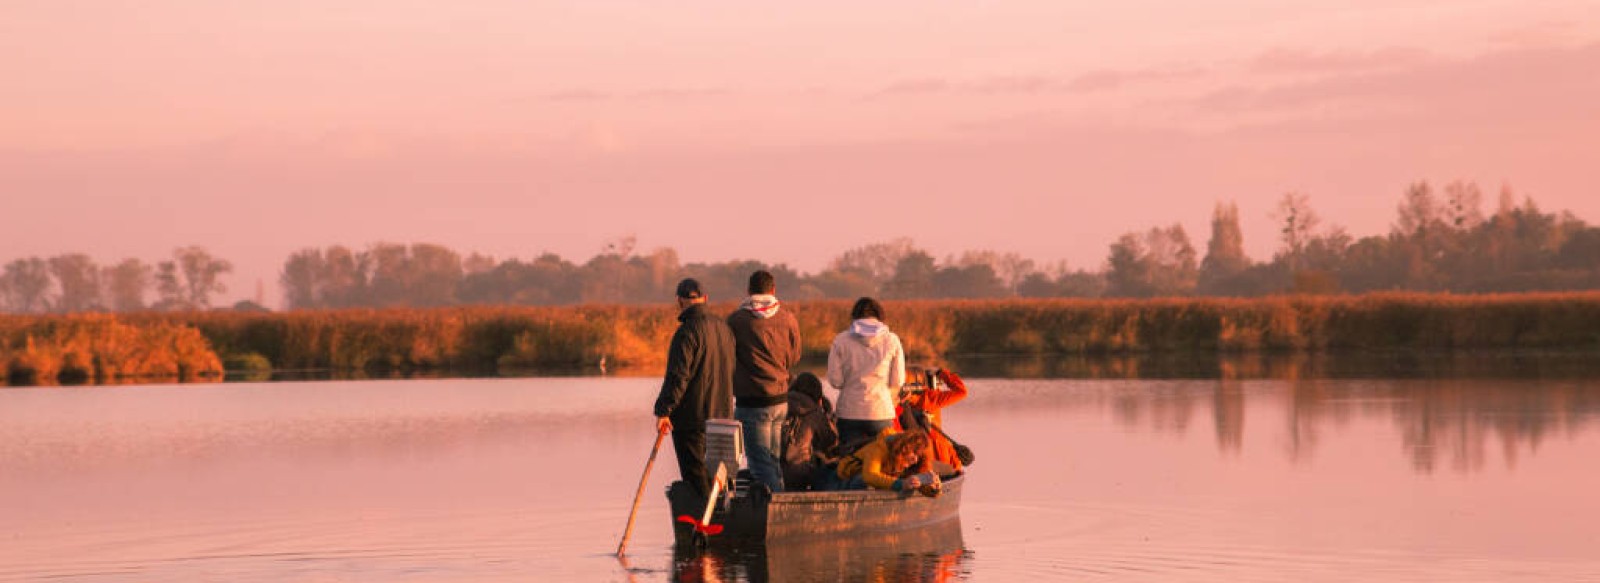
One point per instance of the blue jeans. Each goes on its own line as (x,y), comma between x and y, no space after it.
(763,440)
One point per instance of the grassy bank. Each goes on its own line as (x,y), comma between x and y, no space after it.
(507,339)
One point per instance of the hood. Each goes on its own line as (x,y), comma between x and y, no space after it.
(801,404)
(762,305)
(869,330)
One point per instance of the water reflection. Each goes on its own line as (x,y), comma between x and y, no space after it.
(1529,364)
(933,553)
(1441,423)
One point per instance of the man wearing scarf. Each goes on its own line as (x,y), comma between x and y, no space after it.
(766,346)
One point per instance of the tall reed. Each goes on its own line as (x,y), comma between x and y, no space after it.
(490,339)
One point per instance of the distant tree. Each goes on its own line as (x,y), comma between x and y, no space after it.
(169,288)
(1128,269)
(661,267)
(126,284)
(1581,251)
(476,263)
(432,274)
(79,281)
(200,274)
(345,278)
(302,279)
(1298,222)
(388,281)
(1066,284)
(878,261)
(249,306)
(1176,270)
(1463,205)
(973,281)
(913,277)
(1225,258)
(1159,263)
(843,283)
(1010,267)
(26,285)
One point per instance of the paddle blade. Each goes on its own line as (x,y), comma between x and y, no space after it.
(706,529)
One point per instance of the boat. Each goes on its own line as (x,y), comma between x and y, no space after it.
(935,552)
(753,515)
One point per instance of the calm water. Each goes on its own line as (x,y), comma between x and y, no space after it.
(531,479)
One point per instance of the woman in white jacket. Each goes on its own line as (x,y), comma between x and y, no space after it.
(867,365)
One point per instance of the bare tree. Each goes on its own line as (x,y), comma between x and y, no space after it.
(877,261)
(200,274)
(79,280)
(1299,223)
(126,283)
(26,285)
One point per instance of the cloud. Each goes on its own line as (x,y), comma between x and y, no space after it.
(1287,60)
(1545,34)
(918,87)
(1100,80)
(1109,79)
(577,96)
(1512,84)
(657,94)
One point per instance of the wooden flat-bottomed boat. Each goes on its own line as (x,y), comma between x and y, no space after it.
(753,515)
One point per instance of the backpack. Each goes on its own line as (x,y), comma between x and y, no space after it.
(791,435)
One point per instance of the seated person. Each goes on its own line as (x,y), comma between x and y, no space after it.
(896,461)
(810,439)
(929,401)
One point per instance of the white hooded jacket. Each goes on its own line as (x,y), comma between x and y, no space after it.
(867,365)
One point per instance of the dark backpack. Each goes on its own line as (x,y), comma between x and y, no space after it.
(791,434)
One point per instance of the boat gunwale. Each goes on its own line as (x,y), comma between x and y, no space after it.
(867,495)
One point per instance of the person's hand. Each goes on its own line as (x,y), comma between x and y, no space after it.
(911,483)
(663,425)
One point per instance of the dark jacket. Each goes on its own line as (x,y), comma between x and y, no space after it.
(810,439)
(766,348)
(699,381)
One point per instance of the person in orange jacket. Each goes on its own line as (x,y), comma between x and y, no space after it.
(930,402)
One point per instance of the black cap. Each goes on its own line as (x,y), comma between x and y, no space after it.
(689,289)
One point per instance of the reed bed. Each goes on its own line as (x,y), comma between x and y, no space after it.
(83,348)
(508,339)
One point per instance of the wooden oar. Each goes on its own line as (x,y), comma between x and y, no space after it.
(627,532)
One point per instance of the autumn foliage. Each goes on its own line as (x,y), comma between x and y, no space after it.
(101,348)
(509,340)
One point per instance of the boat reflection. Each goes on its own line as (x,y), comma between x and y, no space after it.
(931,553)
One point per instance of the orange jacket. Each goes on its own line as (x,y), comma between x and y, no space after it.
(931,402)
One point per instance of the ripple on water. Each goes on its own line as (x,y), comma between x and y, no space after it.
(1090,542)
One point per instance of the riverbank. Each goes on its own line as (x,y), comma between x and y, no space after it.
(501,340)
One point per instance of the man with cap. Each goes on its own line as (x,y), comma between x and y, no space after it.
(698,384)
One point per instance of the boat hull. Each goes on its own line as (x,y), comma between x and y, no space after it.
(799,515)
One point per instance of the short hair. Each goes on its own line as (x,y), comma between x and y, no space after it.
(689,289)
(867,308)
(762,282)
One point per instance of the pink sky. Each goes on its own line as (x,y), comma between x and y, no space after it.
(781,132)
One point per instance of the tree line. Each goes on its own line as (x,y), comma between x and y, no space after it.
(73,282)
(1441,240)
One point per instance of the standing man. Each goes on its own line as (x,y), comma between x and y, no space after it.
(698,385)
(767,346)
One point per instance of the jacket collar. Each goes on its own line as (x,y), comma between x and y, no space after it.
(690,312)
